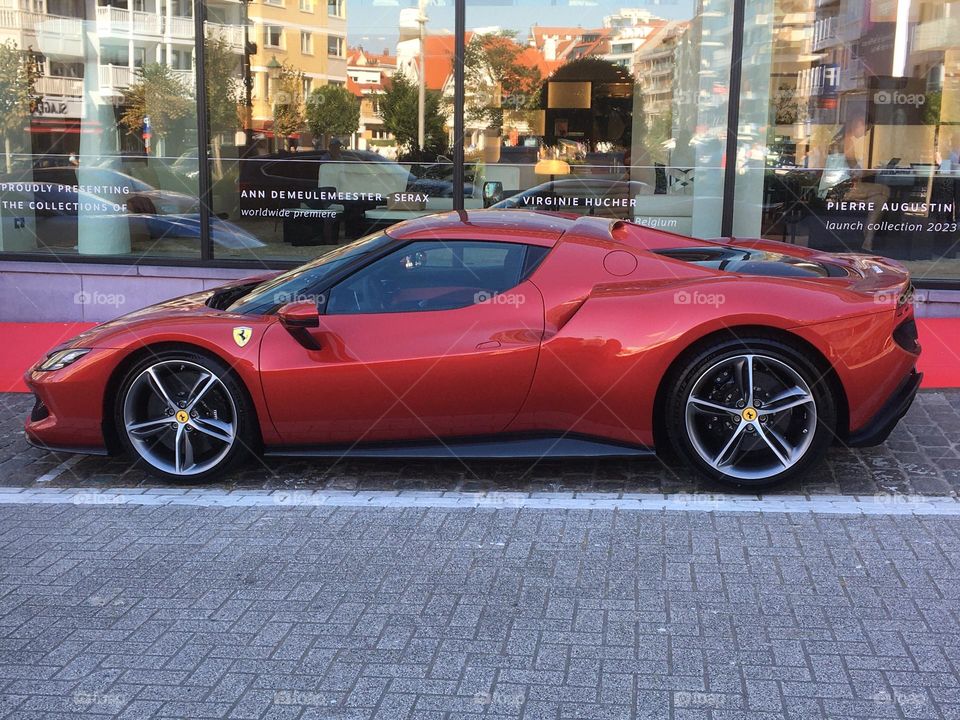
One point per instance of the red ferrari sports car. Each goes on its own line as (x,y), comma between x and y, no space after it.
(503,333)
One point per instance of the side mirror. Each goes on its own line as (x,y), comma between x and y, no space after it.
(492,192)
(299,315)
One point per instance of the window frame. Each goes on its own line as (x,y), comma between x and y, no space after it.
(266,36)
(341,46)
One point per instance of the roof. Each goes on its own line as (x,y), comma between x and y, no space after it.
(531,57)
(539,32)
(360,89)
(439,51)
(358,57)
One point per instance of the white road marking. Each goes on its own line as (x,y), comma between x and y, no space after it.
(881,504)
(59,469)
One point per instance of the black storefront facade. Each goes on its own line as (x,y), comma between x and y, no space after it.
(141,164)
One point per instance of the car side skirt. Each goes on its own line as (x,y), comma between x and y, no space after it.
(477,448)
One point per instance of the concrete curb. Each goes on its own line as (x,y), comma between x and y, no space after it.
(883,504)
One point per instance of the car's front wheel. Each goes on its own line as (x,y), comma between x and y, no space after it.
(184,414)
(751,412)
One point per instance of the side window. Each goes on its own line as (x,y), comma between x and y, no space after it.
(430,275)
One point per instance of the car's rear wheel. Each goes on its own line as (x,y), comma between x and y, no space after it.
(184,414)
(751,412)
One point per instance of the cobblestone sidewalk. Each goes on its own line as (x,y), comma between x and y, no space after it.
(921,457)
(430,613)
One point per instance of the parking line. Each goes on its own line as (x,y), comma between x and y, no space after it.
(60,469)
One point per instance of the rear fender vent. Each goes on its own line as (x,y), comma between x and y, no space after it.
(906,336)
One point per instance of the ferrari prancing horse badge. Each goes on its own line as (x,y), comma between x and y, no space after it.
(242,335)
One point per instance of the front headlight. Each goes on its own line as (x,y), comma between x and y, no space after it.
(62,358)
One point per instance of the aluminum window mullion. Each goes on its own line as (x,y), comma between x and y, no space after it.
(205,189)
(733,117)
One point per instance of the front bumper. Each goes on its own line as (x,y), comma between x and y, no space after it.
(68,413)
(879,427)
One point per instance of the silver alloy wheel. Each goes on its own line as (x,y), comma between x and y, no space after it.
(180,417)
(751,417)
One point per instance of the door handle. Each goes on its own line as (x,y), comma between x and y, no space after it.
(489,345)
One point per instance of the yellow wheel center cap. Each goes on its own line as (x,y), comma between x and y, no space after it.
(749,414)
(182,416)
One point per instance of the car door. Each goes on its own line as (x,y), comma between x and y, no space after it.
(435,339)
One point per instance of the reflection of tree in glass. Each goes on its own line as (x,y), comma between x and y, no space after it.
(398,109)
(18,79)
(332,110)
(287,97)
(786,108)
(931,108)
(224,86)
(658,136)
(496,77)
(224,95)
(162,95)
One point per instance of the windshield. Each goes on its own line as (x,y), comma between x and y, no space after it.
(299,283)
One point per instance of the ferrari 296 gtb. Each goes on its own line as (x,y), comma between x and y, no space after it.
(503,333)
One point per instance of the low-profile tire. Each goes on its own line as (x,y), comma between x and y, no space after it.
(184,415)
(750,412)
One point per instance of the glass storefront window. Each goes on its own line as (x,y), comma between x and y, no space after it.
(610,110)
(98,123)
(850,128)
(315,131)
(326,121)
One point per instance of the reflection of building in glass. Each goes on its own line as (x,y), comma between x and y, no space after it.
(429,61)
(366,73)
(54,33)
(654,66)
(631,29)
(569,43)
(307,35)
(841,101)
(62,33)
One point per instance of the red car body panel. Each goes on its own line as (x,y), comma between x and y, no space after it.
(582,346)
(77,408)
(402,375)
